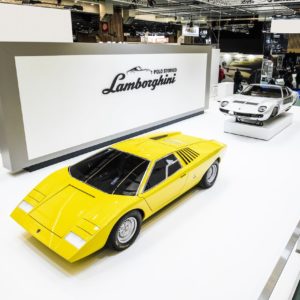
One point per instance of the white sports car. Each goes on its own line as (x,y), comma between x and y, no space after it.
(259,102)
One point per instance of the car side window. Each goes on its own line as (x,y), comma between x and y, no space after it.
(284,92)
(163,169)
(173,166)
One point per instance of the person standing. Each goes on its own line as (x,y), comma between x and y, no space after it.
(288,79)
(298,79)
(238,78)
(221,74)
(275,73)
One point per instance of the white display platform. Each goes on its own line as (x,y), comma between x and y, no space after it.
(265,132)
(220,243)
(225,89)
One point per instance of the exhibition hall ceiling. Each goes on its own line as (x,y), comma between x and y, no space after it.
(213,9)
(182,10)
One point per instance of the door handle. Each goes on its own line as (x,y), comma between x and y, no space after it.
(183,175)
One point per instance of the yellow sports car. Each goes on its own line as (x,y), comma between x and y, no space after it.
(103,199)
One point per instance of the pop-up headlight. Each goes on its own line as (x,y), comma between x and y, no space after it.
(262,108)
(25,206)
(75,240)
(224,103)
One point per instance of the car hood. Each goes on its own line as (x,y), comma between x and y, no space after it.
(61,211)
(251,99)
(70,201)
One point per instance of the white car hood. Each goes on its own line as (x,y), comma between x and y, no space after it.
(251,99)
(249,104)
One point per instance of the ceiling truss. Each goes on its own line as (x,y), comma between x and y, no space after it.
(214,9)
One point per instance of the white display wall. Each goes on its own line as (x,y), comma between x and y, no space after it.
(21,23)
(63,97)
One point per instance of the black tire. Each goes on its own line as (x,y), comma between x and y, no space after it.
(206,181)
(274,112)
(260,123)
(114,241)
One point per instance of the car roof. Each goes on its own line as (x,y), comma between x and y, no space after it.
(155,146)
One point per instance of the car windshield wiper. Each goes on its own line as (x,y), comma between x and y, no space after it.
(98,169)
(132,171)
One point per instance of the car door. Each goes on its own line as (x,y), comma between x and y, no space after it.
(287,98)
(165,182)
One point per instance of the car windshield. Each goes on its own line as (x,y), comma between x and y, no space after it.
(262,91)
(112,171)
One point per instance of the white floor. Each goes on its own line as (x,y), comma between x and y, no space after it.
(220,243)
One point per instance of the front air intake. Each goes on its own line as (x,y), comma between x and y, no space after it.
(159,137)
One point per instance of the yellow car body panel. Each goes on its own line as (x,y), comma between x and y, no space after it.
(62,204)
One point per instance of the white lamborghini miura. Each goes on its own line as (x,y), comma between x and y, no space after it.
(258,102)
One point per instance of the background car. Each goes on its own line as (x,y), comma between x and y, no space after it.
(258,102)
(105,198)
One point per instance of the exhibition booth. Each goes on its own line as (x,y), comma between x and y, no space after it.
(109,145)
(74,93)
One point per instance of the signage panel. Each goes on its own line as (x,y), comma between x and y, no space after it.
(74,99)
(59,100)
(190,31)
(285,26)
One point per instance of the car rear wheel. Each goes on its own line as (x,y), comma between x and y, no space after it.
(125,231)
(210,176)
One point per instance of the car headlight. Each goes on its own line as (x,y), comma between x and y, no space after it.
(25,206)
(262,108)
(75,240)
(224,103)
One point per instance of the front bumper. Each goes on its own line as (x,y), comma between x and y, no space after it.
(248,116)
(48,238)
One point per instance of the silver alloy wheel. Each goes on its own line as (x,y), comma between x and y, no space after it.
(212,173)
(127,230)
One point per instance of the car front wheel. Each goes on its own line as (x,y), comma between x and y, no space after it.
(274,112)
(125,231)
(210,176)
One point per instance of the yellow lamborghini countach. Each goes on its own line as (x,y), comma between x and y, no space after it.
(104,199)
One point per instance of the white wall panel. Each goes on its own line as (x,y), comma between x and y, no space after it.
(20,23)
(285,26)
(63,105)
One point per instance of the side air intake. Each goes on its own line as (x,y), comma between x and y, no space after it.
(187,155)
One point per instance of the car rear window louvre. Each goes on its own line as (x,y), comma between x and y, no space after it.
(187,155)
